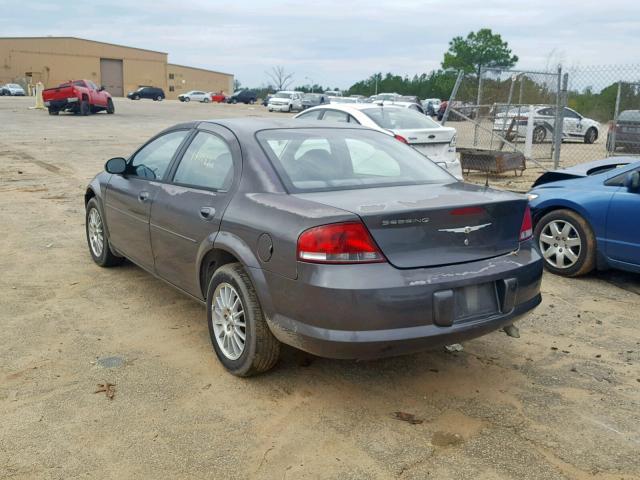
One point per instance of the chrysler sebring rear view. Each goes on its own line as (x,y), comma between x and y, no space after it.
(337,240)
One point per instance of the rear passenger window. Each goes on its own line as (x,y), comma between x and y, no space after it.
(152,160)
(207,163)
(310,115)
(335,116)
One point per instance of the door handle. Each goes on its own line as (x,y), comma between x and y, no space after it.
(207,213)
(143,196)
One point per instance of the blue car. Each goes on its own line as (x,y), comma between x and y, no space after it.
(588,216)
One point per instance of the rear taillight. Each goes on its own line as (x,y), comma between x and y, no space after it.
(526,230)
(338,243)
(401,138)
(452,143)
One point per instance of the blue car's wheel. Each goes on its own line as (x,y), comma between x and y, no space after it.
(566,243)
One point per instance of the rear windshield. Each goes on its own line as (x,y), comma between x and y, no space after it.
(324,159)
(77,83)
(399,118)
(282,95)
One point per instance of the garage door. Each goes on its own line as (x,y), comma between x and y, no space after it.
(111,76)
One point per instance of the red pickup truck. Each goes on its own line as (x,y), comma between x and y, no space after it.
(77,96)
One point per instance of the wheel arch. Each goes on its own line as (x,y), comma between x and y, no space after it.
(229,247)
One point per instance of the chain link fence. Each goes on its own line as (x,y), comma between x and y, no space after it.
(506,120)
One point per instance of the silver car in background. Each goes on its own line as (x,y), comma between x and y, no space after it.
(428,137)
(196,96)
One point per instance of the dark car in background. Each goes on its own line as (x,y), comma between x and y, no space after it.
(627,132)
(313,100)
(338,240)
(243,96)
(153,93)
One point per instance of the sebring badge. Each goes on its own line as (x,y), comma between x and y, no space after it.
(404,221)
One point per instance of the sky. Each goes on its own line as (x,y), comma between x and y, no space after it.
(337,43)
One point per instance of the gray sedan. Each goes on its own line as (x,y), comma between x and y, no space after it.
(338,240)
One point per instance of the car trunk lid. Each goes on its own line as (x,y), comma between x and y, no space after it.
(430,225)
(434,144)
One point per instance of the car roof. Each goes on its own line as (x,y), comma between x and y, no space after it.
(351,107)
(248,126)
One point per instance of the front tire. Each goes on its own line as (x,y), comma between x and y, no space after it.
(111,109)
(566,242)
(590,136)
(187,99)
(97,240)
(239,332)
(53,111)
(159,98)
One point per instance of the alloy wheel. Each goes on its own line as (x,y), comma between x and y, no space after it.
(96,232)
(228,321)
(560,244)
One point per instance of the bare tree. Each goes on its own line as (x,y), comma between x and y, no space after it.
(280,78)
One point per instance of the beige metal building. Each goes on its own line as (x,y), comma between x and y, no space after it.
(54,60)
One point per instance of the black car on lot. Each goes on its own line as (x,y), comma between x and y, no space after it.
(338,240)
(625,134)
(243,96)
(153,93)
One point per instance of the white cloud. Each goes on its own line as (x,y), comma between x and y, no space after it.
(337,42)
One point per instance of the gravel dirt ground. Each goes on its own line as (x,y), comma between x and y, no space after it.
(561,402)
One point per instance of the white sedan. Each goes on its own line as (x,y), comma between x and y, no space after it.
(434,141)
(196,96)
(575,126)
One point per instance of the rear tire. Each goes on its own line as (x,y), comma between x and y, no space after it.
(53,111)
(85,109)
(97,240)
(570,252)
(260,349)
(539,134)
(111,109)
(590,136)
(206,100)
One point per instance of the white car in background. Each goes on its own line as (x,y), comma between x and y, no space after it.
(428,137)
(286,101)
(12,89)
(575,126)
(195,96)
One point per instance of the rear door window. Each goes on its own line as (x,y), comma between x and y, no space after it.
(335,116)
(206,163)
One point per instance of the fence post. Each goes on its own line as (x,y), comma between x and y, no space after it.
(558,125)
(478,103)
(528,144)
(611,146)
(454,92)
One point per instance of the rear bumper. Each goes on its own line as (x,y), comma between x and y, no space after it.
(62,104)
(376,310)
(278,107)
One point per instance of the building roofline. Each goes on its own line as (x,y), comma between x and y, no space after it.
(198,68)
(84,40)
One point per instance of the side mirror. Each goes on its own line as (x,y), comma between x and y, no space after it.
(632,181)
(101,88)
(116,166)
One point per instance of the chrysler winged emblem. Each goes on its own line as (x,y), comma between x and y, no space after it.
(466,230)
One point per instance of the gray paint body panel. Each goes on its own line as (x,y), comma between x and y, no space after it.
(344,311)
